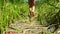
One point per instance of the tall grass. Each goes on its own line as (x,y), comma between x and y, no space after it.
(46,11)
(13,10)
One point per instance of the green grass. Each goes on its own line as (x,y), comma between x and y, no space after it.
(18,10)
(10,13)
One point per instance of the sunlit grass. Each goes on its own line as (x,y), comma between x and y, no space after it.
(13,11)
(9,13)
